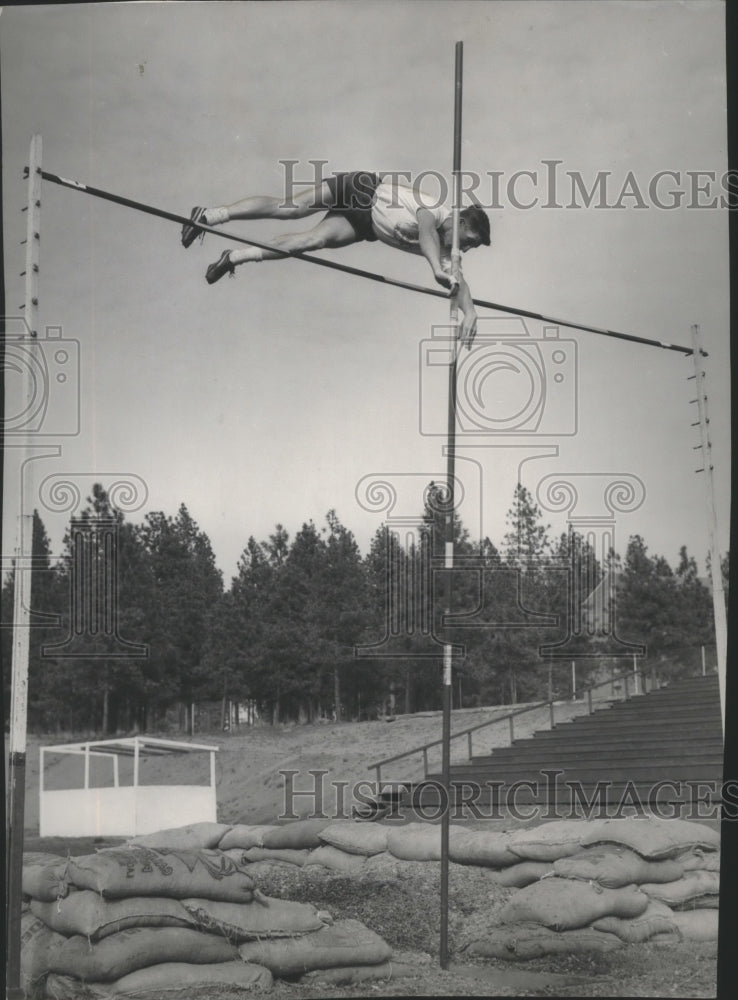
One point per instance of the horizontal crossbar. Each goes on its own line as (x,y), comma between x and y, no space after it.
(358,272)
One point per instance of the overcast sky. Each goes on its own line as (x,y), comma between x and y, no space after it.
(272,397)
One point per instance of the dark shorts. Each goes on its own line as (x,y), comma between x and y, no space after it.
(352,195)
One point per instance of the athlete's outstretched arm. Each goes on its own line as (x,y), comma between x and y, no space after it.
(430,247)
(469,324)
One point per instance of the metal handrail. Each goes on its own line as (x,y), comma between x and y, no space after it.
(425,747)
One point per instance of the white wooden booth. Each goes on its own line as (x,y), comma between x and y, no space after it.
(116,808)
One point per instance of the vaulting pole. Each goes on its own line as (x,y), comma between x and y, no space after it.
(716,572)
(450,508)
(22,603)
(160,213)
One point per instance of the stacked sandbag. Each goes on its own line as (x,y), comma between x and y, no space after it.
(43,883)
(284,856)
(43,876)
(120,872)
(527,941)
(136,948)
(99,919)
(341,846)
(656,921)
(564,904)
(654,838)
(693,849)
(336,860)
(415,842)
(302,834)
(551,841)
(271,918)
(365,839)
(694,890)
(290,843)
(346,845)
(244,836)
(38,947)
(522,874)
(353,975)
(605,883)
(175,980)
(345,943)
(486,848)
(89,914)
(139,921)
(613,866)
(194,836)
(699,859)
(556,916)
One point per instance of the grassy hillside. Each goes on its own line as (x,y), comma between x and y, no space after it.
(249,785)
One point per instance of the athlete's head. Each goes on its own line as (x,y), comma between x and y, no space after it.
(473,228)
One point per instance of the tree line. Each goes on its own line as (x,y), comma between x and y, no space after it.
(284,633)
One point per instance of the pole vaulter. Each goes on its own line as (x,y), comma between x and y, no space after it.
(35,174)
(358,272)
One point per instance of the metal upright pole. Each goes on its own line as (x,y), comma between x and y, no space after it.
(716,572)
(22,606)
(449,538)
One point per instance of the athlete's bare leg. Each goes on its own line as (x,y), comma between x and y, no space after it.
(332,232)
(314,199)
(307,202)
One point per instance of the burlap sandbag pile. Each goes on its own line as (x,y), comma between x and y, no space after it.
(140,920)
(136,920)
(593,886)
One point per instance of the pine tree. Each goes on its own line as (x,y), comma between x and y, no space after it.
(186,588)
(528,551)
(235,646)
(652,604)
(107,688)
(385,566)
(342,613)
(695,624)
(526,544)
(45,683)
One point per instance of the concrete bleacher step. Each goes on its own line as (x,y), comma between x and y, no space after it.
(603,753)
(625,734)
(673,735)
(583,771)
(699,715)
(652,704)
(640,713)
